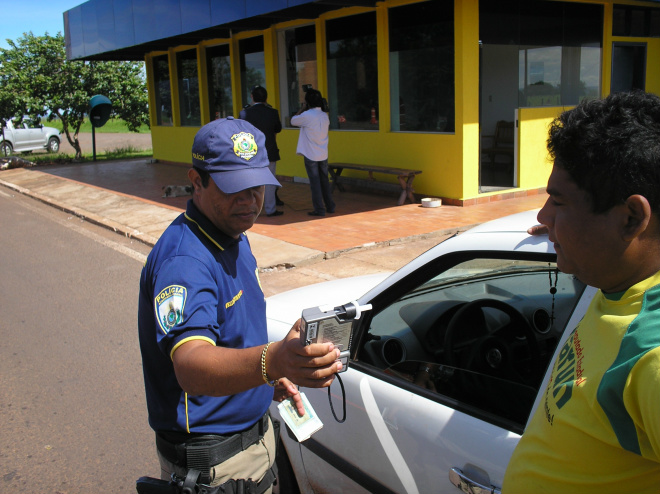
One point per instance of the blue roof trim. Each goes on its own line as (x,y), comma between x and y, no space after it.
(127,29)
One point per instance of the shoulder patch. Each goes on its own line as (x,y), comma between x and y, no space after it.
(169,305)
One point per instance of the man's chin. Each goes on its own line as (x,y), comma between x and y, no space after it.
(564,266)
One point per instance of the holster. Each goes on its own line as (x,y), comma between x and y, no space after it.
(199,454)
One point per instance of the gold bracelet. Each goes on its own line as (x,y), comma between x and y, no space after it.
(264,374)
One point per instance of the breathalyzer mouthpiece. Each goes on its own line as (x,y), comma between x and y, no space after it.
(347,311)
(351,310)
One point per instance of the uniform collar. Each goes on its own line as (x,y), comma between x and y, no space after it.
(208,229)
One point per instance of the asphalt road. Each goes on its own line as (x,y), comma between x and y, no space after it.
(71,394)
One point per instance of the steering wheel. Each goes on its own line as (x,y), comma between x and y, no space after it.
(491,352)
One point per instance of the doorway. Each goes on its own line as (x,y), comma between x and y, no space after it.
(628,66)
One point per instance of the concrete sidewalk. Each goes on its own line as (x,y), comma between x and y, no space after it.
(127,197)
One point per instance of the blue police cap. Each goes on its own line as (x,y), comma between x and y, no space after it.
(233,151)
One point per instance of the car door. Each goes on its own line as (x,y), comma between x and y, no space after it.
(36,134)
(22,136)
(445,371)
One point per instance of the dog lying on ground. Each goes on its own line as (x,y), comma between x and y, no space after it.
(177,190)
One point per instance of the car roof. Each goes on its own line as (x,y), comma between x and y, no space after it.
(518,222)
(507,234)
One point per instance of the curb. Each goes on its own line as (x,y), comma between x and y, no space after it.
(85,215)
(305,259)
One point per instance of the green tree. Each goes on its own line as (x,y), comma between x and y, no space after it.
(37,79)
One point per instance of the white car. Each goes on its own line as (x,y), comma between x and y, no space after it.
(29,135)
(444,370)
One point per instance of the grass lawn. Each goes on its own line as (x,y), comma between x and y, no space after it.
(112,126)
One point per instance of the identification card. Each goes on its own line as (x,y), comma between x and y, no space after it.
(302,427)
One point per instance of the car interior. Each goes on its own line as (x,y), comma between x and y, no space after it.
(479,333)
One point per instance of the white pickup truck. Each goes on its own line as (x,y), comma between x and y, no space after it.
(28,136)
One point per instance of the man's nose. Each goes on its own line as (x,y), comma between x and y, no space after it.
(543,215)
(246,196)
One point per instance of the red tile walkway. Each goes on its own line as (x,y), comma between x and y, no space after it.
(360,218)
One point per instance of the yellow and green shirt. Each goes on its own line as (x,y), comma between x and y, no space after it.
(597,429)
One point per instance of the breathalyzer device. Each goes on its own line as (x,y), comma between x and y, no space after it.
(327,324)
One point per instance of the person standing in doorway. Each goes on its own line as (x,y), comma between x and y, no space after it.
(267,119)
(313,147)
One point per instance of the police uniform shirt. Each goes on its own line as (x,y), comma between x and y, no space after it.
(199,283)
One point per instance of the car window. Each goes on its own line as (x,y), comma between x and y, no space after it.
(478,335)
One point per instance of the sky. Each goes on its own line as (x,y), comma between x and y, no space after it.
(38,16)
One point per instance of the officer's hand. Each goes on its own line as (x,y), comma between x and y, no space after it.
(313,366)
(286,389)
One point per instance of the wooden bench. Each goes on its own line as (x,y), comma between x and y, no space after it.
(404,175)
(503,141)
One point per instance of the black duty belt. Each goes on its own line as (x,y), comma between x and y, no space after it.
(201,452)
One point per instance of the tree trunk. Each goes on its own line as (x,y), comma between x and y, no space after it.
(73,140)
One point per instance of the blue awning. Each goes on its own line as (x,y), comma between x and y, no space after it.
(128,29)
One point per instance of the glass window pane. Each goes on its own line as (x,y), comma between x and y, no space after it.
(540,53)
(540,76)
(581,52)
(163,92)
(654,24)
(218,68)
(638,25)
(298,67)
(353,72)
(422,67)
(628,67)
(559,54)
(186,62)
(619,21)
(425,324)
(253,66)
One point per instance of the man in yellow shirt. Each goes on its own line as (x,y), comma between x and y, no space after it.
(597,428)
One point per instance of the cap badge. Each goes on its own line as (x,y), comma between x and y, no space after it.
(244,145)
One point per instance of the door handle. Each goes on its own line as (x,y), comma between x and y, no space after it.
(460,480)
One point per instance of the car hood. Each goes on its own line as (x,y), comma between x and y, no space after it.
(287,307)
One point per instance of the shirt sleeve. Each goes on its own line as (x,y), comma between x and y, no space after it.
(643,403)
(299,120)
(278,125)
(186,303)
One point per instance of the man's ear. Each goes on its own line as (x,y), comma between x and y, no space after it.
(638,211)
(195,179)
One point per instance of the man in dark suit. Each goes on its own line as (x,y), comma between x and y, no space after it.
(267,119)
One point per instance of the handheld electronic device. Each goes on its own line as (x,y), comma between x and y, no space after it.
(323,324)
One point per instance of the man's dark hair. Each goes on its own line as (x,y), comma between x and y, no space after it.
(259,94)
(205,176)
(313,98)
(611,148)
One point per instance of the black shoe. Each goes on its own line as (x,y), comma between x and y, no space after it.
(315,213)
(276,213)
(330,210)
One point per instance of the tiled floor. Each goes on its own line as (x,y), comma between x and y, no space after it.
(360,218)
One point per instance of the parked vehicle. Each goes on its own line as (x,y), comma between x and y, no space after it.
(445,368)
(29,135)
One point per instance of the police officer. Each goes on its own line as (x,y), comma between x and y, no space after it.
(210,372)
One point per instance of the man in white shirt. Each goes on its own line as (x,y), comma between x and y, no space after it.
(313,147)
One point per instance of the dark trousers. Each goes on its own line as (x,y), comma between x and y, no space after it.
(317,171)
